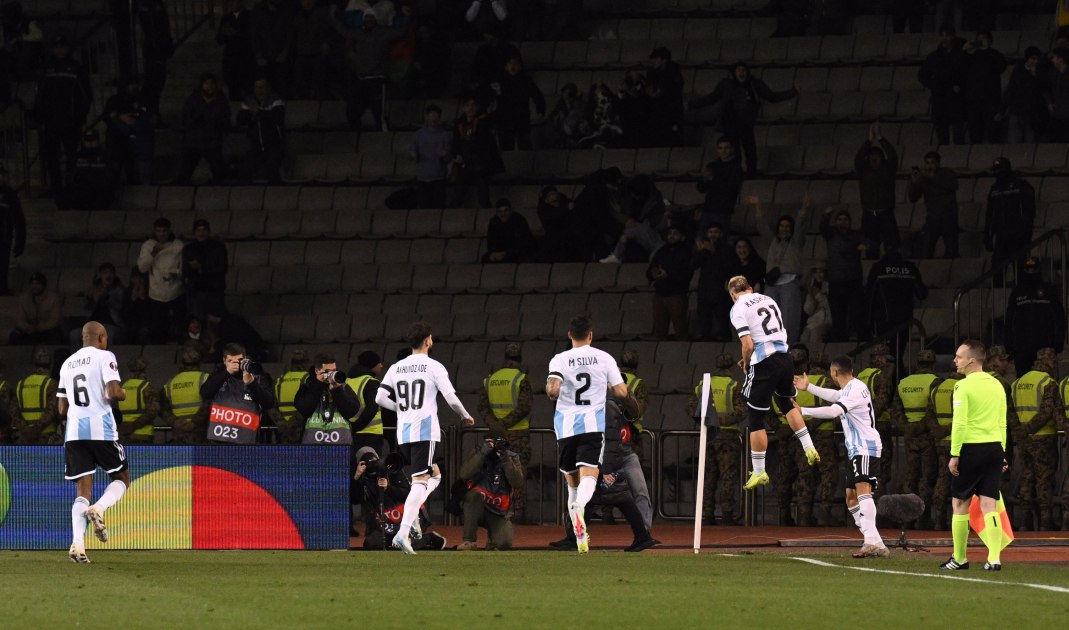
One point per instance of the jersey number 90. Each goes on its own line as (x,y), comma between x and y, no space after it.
(410,397)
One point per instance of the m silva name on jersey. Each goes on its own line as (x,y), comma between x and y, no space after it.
(582,361)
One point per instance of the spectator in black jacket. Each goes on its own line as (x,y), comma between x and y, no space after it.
(1058,96)
(721,181)
(12,229)
(939,188)
(738,99)
(876,165)
(204,267)
(490,57)
(271,35)
(476,158)
(556,213)
(894,284)
(846,294)
(943,73)
(264,115)
(156,48)
(205,121)
(130,138)
(239,60)
(669,272)
(512,92)
(664,85)
(711,260)
(508,237)
(1035,317)
(92,182)
(312,29)
(367,56)
(1024,104)
(1011,213)
(63,99)
(983,87)
(745,261)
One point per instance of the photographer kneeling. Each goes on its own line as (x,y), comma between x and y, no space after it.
(327,403)
(487,480)
(240,394)
(383,489)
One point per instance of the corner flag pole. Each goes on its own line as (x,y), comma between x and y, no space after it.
(701,466)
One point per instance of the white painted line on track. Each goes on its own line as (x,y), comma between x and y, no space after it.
(1042,587)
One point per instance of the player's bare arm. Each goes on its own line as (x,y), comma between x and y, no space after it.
(747,351)
(61,408)
(114,391)
(553,387)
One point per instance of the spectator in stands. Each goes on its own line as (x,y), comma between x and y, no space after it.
(846,293)
(271,35)
(1035,317)
(632,104)
(817,309)
(1024,103)
(368,59)
(156,48)
(738,99)
(601,126)
(876,165)
(91,185)
(983,87)
(23,49)
(161,259)
(907,13)
(786,250)
(12,229)
(943,73)
(712,259)
(642,208)
(721,180)
(63,99)
(239,60)
(486,16)
(37,315)
(1058,96)
(263,114)
(223,327)
(490,57)
(894,284)
(939,188)
(204,267)
(746,262)
(205,121)
(664,85)
(556,213)
(476,158)
(431,148)
(508,237)
(511,94)
(1010,216)
(138,309)
(569,121)
(669,273)
(103,303)
(195,337)
(311,45)
(130,137)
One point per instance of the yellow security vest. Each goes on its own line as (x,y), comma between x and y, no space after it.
(357,384)
(286,391)
(868,377)
(806,399)
(32,393)
(914,391)
(184,392)
(722,390)
(943,402)
(1064,385)
(134,405)
(503,391)
(1027,394)
(632,381)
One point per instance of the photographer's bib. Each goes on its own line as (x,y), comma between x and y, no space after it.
(234,426)
(327,428)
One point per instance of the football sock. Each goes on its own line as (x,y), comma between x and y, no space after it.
(803,436)
(855,513)
(757,458)
(867,516)
(111,496)
(583,494)
(78,522)
(412,504)
(432,484)
(992,537)
(959,526)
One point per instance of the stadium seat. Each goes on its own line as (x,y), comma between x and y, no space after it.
(462,278)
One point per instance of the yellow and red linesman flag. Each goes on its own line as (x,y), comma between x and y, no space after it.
(976,519)
(1061,14)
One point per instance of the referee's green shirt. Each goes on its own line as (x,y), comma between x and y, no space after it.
(979,412)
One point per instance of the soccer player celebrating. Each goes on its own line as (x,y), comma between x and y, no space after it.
(410,388)
(852,404)
(769,371)
(977,454)
(577,381)
(90,380)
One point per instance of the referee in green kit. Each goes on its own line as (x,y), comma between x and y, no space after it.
(977,454)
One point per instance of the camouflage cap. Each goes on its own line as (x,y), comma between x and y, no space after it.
(881,350)
(513,352)
(629,359)
(1046,353)
(724,360)
(799,354)
(42,357)
(998,352)
(137,364)
(926,356)
(299,359)
(819,358)
(190,356)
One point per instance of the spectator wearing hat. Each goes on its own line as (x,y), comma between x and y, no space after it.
(876,165)
(669,273)
(1024,102)
(103,303)
(508,237)
(786,251)
(38,316)
(263,114)
(91,185)
(476,158)
(894,285)
(161,259)
(943,74)
(1035,317)
(1010,216)
(505,407)
(63,99)
(664,87)
(1057,96)
(204,267)
(205,121)
(12,229)
(130,136)
(431,148)
(846,293)
(938,187)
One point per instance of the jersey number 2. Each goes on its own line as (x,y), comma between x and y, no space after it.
(81,393)
(416,402)
(769,313)
(582,376)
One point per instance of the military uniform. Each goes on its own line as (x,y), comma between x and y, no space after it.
(33,407)
(141,407)
(908,411)
(723,460)
(641,393)
(1037,406)
(939,419)
(823,434)
(505,407)
(181,405)
(877,378)
(7,433)
(288,421)
(1063,421)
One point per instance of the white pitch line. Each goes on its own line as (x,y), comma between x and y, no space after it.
(1042,587)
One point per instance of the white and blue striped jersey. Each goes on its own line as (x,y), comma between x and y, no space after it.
(853,406)
(585,374)
(83,381)
(414,383)
(759,317)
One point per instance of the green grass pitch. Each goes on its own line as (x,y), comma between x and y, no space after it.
(239,589)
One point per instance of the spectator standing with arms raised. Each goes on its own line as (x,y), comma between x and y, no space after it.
(876,166)
(783,278)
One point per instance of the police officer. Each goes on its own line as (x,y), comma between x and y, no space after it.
(505,407)
(240,394)
(12,229)
(1034,317)
(141,406)
(723,463)
(63,99)
(629,370)
(364,379)
(823,433)
(290,423)
(491,474)
(1037,406)
(181,405)
(877,377)
(894,284)
(326,402)
(908,411)
(33,412)
(1011,213)
(939,419)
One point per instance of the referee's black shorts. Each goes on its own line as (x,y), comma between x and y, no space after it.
(979,471)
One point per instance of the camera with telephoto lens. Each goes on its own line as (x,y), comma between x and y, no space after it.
(334,376)
(381,467)
(500,444)
(251,367)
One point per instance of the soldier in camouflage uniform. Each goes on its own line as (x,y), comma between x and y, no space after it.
(190,429)
(877,377)
(827,445)
(147,398)
(723,459)
(998,364)
(637,386)
(289,424)
(33,404)
(939,419)
(1035,427)
(916,389)
(1063,421)
(513,420)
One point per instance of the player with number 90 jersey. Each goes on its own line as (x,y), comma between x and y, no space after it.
(83,381)
(759,316)
(585,374)
(414,383)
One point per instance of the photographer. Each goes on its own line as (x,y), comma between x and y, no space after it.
(489,476)
(240,394)
(383,488)
(327,402)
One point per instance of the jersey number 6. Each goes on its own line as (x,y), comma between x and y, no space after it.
(81,393)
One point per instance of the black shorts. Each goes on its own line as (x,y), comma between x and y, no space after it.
(773,376)
(979,471)
(419,457)
(863,469)
(585,449)
(84,456)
